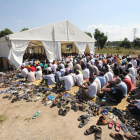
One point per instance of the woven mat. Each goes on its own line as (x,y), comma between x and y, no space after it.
(121,106)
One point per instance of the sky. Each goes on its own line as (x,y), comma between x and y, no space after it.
(116,18)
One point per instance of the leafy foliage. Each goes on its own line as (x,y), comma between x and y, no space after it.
(137,42)
(88,33)
(125,43)
(5,32)
(101,38)
(24,29)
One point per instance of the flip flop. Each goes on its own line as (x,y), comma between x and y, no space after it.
(6,91)
(110,125)
(49,97)
(82,123)
(1,92)
(131,130)
(123,127)
(52,98)
(117,126)
(36,115)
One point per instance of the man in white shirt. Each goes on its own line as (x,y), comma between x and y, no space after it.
(133,72)
(38,74)
(30,76)
(85,72)
(73,76)
(54,67)
(62,70)
(68,81)
(79,79)
(23,64)
(89,89)
(134,62)
(61,65)
(110,75)
(24,71)
(49,79)
(48,68)
(26,63)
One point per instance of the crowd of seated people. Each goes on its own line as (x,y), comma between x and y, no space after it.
(106,75)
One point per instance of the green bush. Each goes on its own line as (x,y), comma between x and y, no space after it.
(118,48)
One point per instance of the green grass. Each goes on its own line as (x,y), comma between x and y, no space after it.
(2,118)
(118,50)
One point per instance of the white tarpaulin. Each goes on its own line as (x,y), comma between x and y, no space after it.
(60,31)
(91,48)
(58,50)
(4,49)
(17,51)
(50,50)
(81,46)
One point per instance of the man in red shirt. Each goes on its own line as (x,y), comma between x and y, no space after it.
(32,68)
(128,82)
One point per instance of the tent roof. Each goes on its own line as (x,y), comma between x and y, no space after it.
(60,31)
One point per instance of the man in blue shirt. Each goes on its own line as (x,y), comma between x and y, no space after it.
(122,85)
(57,74)
(102,79)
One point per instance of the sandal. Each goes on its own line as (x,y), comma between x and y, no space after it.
(59,105)
(117,126)
(91,130)
(82,123)
(123,127)
(131,130)
(110,125)
(98,134)
(60,111)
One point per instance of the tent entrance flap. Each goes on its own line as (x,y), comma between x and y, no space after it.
(17,51)
(53,50)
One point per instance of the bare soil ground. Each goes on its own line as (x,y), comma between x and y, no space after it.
(19,124)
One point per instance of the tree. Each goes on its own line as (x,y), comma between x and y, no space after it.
(136,42)
(101,38)
(125,43)
(88,33)
(4,32)
(24,29)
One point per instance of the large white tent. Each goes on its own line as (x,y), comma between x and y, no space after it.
(13,46)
